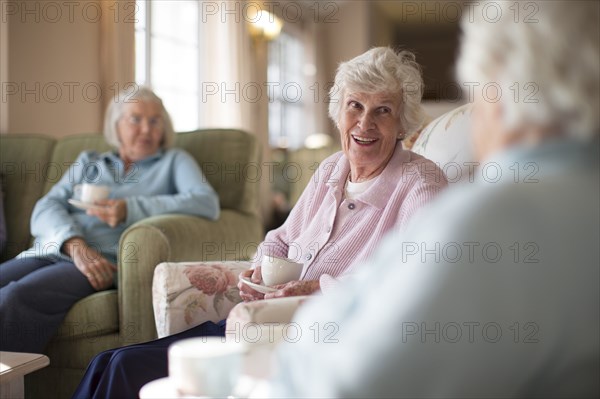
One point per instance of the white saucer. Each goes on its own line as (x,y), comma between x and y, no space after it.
(164,388)
(258,287)
(82,205)
(250,387)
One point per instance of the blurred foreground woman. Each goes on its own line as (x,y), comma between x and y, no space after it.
(509,303)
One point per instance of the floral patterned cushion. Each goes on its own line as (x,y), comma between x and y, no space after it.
(446,141)
(187,294)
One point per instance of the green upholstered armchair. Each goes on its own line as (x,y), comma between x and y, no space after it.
(30,165)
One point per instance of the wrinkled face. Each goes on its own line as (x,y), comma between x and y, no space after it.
(140,130)
(370,125)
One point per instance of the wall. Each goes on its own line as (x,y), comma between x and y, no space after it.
(382,27)
(417,26)
(3,71)
(78,52)
(53,86)
(53,63)
(342,34)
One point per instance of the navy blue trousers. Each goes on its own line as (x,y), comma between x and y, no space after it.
(122,372)
(35,296)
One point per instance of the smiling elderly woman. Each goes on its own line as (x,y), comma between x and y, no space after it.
(372,186)
(356,196)
(74,253)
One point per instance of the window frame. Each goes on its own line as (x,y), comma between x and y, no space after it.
(284,140)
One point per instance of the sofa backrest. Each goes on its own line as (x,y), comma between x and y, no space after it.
(66,151)
(31,165)
(447,142)
(24,161)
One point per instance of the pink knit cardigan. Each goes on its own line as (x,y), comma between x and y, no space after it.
(329,233)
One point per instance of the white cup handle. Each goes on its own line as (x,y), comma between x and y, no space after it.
(77,190)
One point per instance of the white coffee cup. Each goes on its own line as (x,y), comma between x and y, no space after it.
(90,193)
(206,366)
(276,270)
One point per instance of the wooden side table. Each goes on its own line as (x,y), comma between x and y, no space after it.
(13,367)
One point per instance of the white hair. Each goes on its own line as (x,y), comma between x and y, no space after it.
(382,70)
(115,110)
(545,60)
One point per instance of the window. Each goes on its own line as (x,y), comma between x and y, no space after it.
(287,117)
(167,56)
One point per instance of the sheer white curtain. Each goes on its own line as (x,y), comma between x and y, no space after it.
(234,95)
(229,75)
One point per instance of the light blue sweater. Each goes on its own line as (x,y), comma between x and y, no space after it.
(168,182)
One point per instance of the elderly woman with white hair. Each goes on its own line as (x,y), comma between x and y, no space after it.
(503,298)
(369,188)
(76,245)
(373,186)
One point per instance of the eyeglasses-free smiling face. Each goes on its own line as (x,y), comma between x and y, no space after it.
(141,131)
(370,125)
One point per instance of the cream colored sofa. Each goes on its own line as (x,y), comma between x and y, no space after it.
(188,294)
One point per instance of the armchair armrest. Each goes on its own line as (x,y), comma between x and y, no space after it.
(187,294)
(279,310)
(173,238)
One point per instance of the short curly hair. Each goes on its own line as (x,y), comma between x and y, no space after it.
(554,62)
(115,110)
(382,70)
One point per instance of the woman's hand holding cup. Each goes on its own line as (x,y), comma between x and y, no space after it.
(247,293)
(91,193)
(277,271)
(294,288)
(281,274)
(110,211)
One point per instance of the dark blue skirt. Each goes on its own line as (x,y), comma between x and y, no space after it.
(122,372)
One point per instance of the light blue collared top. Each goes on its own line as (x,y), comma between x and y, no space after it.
(168,182)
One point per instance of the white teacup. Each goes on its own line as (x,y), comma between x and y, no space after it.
(276,270)
(90,193)
(206,366)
